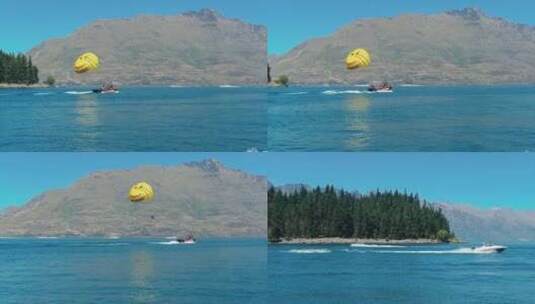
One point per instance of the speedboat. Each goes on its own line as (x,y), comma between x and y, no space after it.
(384,87)
(382,91)
(101,91)
(190,240)
(186,242)
(489,249)
(108,88)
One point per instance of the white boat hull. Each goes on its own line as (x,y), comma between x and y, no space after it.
(490,249)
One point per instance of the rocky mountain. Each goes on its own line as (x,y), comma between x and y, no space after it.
(192,48)
(461,46)
(205,198)
(495,225)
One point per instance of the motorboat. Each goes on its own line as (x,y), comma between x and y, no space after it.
(487,248)
(384,87)
(189,240)
(109,88)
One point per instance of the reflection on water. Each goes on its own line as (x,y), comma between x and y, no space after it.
(427,119)
(79,271)
(358,104)
(86,110)
(357,122)
(318,274)
(141,275)
(159,118)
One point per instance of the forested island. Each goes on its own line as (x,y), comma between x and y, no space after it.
(17,69)
(331,213)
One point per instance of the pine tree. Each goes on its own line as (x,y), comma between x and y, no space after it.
(17,68)
(2,68)
(35,75)
(29,72)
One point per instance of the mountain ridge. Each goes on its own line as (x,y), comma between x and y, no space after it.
(206,198)
(196,47)
(459,46)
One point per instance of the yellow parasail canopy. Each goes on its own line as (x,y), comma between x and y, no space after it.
(359,58)
(86,62)
(141,193)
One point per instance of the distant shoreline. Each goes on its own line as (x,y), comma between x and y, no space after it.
(126,236)
(21,86)
(237,86)
(327,241)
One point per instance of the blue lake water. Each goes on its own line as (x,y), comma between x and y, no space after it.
(138,119)
(471,118)
(248,271)
(132,271)
(427,274)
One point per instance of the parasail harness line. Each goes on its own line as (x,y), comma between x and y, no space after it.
(141,193)
(89,62)
(361,58)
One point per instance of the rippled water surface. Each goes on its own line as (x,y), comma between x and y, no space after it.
(132,271)
(138,119)
(422,274)
(472,119)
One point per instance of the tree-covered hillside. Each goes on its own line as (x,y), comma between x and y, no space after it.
(17,69)
(332,213)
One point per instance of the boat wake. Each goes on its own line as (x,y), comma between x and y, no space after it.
(228,86)
(173,243)
(454,251)
(167,243)
(296,93)
(42,94)
(310,251)
(79,92)
(334,92)
(381,92)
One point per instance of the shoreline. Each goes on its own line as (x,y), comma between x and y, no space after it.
(22,86)
(344,241)
(120,236)
(294,85)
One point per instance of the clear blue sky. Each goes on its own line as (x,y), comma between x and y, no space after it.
(484,180)
(290,22)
